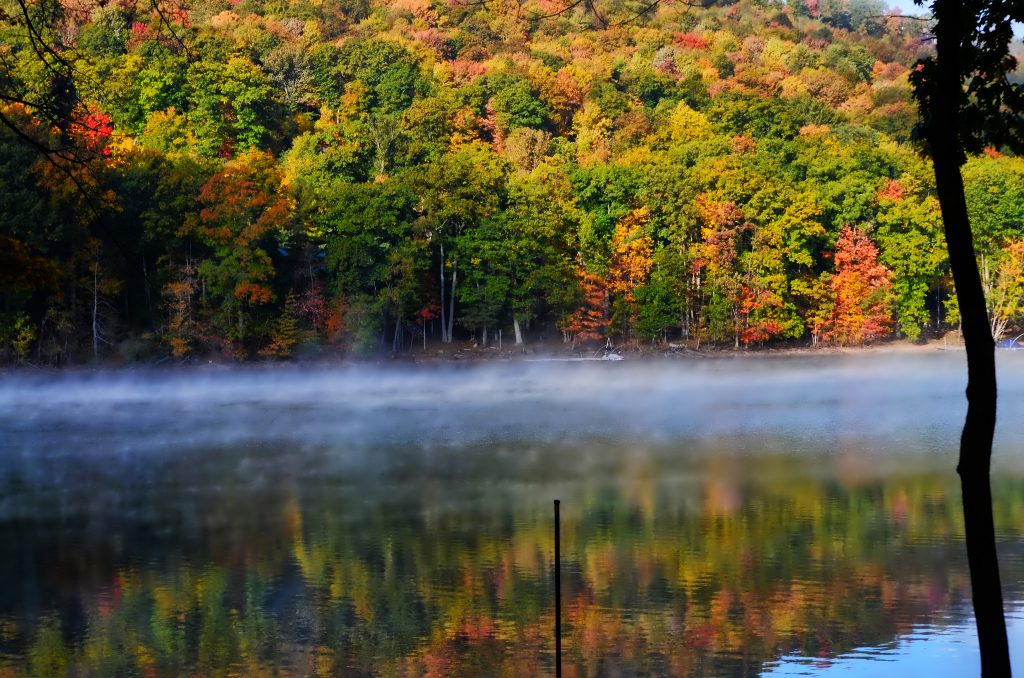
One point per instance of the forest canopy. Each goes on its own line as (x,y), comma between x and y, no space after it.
(258,179)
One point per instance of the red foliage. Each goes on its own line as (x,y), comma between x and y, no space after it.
(93,128)
(314,307)
(481,628)
(429,312)
(758,329)
(862,289)
(691,41)
(892,190)
(465,71)
(431,37)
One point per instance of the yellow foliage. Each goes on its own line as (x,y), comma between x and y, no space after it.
(632,254)
(792,87)
(687,124)
(591,129)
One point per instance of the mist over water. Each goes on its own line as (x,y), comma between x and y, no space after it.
(818,401)
(398,502)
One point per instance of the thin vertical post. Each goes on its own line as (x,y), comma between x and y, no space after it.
(558,595)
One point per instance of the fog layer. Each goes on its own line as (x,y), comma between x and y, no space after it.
(911,402)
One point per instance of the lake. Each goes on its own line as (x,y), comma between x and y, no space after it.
(756,515)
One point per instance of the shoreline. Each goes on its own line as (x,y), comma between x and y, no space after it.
(547,351)
(469,353)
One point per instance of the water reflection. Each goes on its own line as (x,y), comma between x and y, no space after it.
(698,556)
(718,572)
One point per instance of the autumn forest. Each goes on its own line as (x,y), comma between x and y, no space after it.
(260,179)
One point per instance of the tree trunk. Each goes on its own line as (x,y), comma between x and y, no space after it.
(149,295)
(979,427)
(518,330)
(95,311)
(444,326)
(451,300)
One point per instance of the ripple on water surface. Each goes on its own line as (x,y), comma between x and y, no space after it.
(723,517)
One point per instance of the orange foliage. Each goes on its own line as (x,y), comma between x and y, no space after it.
(723,222)
(758,328)
(182,328)
(892,190)
(252,292)
(743,144)
(428,312)
(632,255)
(862,290)
(589,321)
(691,41)
(334,323)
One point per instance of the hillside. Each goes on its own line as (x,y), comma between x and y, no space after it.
(269,179)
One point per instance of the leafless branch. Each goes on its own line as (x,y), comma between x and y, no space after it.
(559,12)
(155,4)
(53,156)
(909,17)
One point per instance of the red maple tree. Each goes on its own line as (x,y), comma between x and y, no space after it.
(862,289)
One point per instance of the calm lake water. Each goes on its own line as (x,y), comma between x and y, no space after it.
(720,517)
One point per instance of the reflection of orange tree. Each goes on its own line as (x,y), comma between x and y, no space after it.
(660,584)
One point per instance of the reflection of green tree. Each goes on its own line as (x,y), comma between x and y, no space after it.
(48,655)
(710,581)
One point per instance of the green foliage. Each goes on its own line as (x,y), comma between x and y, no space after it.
(17,337)
(284,332)
(451,152)
(231,105)
(106,33)
(755,116)
(661,301)
(992,187)
(389,71)
(520,261)
(517,104)
(360,224)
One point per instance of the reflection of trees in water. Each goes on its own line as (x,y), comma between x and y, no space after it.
(654,581)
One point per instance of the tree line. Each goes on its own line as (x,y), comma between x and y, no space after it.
(269,179)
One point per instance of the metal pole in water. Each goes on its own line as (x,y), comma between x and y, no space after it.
(558,596)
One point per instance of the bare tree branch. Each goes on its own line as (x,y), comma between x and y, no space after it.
(52,156)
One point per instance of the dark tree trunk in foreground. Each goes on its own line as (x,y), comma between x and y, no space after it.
(942,130)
